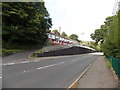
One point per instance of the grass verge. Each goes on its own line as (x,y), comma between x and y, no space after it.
(6,52)
(108,64)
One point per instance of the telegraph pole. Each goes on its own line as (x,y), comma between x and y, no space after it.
(59,29)
(59,33)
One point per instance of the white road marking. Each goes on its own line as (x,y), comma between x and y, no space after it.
(33,61)
(50,65)
(25,62)
(9,64)
(24,71)
(60,63)
(47,66)
(75,59)
(36,61)
(40,68)
(0,77)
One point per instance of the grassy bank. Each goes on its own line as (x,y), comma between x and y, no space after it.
(49,48)
(6,52)
(108,64)
(11,48)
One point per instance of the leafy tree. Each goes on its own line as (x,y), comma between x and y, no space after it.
(56,32)
(25,23)
(100,34)
(80,41)
(73,36)
(108,35)
(110,46)
(64,34)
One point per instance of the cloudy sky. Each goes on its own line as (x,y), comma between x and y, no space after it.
(79,16)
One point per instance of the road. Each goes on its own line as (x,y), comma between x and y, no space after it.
(46,73)
(17,57)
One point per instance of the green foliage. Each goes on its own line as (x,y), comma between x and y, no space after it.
(110,46)
(25,23)
(73,36)
(80,41)
(100,34)
(94,46)
(108,64)
(6,52)
(108,35)
(56,32)
(64,34)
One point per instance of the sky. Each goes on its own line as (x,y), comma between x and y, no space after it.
(79,17)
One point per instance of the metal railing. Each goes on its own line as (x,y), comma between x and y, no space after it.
(115,64)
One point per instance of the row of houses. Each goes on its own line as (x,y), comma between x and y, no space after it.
(60,40)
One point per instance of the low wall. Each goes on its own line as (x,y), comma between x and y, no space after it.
(68,51)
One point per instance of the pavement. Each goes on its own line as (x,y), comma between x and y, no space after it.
(46,73)
(98,76)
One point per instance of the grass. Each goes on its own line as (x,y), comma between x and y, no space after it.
(108,63)
(10,48)
(6,52)
(48,49)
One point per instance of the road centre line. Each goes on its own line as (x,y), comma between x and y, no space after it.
(47,66)
(75,59)
(19,63)
(31,61)
(60,63)
(50,65)
(25,62)
(40,68)
(9,64)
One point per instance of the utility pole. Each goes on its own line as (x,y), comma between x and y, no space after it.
(59,29)
(59,33)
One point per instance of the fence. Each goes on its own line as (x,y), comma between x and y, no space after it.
(115,64)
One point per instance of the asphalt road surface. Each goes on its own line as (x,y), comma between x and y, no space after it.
(46,73)
(17,57)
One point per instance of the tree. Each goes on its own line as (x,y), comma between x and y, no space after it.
(110,46)
(108,35)
(73,36)
(80,41)
(64,34)
(56,32)
(100,34)
(25,23)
